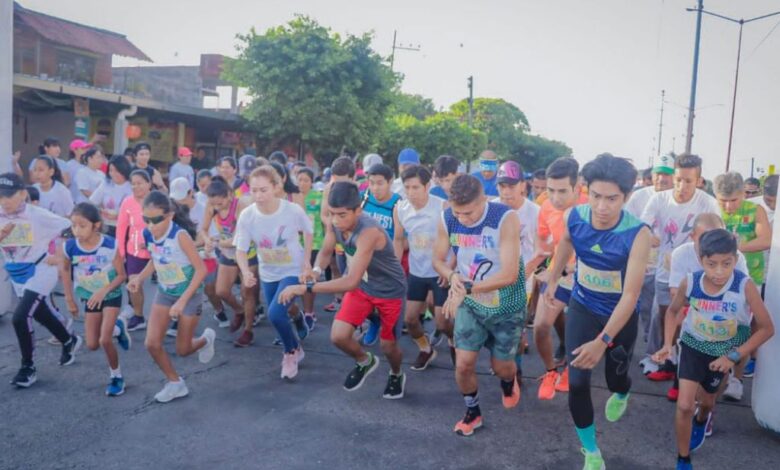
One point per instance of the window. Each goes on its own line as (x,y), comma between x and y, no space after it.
(76,68)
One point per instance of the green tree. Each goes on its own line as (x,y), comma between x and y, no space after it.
(414,105)
(312,85)
(534,152)
(502,121)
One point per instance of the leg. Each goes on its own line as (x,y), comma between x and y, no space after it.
(249,297)
(155,334)
(389,313)
(443,324)
(22,320)
(504,370)
(277,313)
(341,336)
(92,329)
(108,321)
(186,344)
(393,354)
(683,419)
(543,323)
(214,299)
(226,277)
(465,370)
(412,319)
(618,358)
(355,308)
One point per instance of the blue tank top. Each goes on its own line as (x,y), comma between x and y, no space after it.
(382,212)
(602,257)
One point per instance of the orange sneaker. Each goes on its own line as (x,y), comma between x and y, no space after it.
(468,425)
(563,381)
(547,388)
(512,400)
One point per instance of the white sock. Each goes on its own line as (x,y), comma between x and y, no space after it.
(116,331)
(116,372)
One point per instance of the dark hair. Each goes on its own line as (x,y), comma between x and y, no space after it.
(770,185)
(121,165)
(647,173)
(48,142)
(89,211)
(52,163)
(611,169)
(284,175)
(143,174)
(540,174)
(343,166)
(231,161)
(308,172)
(129,152)
(752,180)
(465,189)
(181,215)
(218,188)
(202,174)
(564,167)
(279,157)
(718,241)
(688,160)
(445,165)
(34,194)
(344,194)
(417,171)
(380,169)
(90,153)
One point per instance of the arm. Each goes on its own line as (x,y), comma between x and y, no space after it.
(399,237)
(17,169)
(121,227)
(441,251)
(188,247)
(367,242)
(763,329)
(763,238)
(326,251)
(509,250)
(325,207)
(67,285)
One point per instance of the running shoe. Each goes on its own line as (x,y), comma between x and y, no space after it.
(172,391)
(683,464)
(127,312)
(299,354)
(436,338)
(222,319)
(259,315)
(708,428)
(547,387)
(245,340)
(395,387)
(673,393)
(237,322)
(562,385)
(424,359)
(470,423)
(206,353)
(310,320)
(173,330)
(616,407)
(734,389)
(301,327)
(593,460)
(69,349)
(648,365)
(289,365)
(123,338)
(358,375)
(25,377)
(116,387)
(512,400)
(750,368)
(663,374)
(372,335)
(136,323)
(333,306)
(698,434)
(560,355)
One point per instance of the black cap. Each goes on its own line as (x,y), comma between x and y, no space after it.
(10,184)
(142,146)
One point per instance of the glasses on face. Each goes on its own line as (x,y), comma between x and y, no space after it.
(153,220)
(752,192)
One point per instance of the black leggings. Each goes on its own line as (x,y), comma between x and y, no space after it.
(583,326)
(34,305)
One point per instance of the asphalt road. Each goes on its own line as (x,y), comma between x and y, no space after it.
(240,414)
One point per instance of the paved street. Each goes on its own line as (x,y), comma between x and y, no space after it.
(240,414)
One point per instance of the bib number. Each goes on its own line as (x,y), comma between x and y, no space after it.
(93,282)
(170,274)
(712,328)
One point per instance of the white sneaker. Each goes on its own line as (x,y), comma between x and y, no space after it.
(289,365)
(206,353)
(126,312)
(734,389)
(299,354)
(172,391)
(648,365)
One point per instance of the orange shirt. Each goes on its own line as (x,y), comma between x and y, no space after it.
(551,221)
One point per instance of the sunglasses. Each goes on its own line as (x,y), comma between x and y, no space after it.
(153,220)
(753,192)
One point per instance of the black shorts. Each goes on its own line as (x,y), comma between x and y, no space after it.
(695,366)
(116,302)
(225,261)
(418,288)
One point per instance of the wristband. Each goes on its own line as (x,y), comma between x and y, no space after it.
(317,270)
(468,285)
(607,340)
(309,287)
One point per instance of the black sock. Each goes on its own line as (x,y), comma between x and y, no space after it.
(507,387)
(472,405)
(686,459)
(700,423)
(554,369)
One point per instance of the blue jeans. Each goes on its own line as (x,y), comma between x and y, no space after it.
(277,312)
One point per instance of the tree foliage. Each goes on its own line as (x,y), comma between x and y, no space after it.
(414,105)
(502,121)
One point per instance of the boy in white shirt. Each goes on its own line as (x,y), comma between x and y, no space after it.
(182,168)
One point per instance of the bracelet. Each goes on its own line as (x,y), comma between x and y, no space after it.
(317,270)
(309,287)
(449,278)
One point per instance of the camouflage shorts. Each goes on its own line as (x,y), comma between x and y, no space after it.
(500,334)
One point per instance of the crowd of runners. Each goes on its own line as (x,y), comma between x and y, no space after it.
(659,267)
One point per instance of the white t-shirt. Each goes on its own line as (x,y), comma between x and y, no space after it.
(685,260)
(87,179)
(57,199)
(672,223)
(638,201)
(180,170)
(421,227)
(279,250)
(73,167)
(109,196)
(529,222)
(397,186)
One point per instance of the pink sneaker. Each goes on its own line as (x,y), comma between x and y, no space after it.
(299,354)
(289,365)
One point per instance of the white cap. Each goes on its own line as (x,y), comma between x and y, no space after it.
(370,160)
(180,187)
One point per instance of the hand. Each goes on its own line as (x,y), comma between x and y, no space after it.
(721,364)
(450,308)
(662,354)
(177,309)
(307,274)
(291,292)
(226,243)
(72,307)
(443,282)
(97,298)
(655,242)
(543,276)
(133,285)
(157,179)
(52,260)
(17,156)
(208,244)
(549,294)
(456,286)
(248,278)
(589,354)
(6,230)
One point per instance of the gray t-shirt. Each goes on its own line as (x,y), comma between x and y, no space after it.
(384,278)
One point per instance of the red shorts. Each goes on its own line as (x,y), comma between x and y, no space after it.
(356,306)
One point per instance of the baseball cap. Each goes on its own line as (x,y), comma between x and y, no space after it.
(408,156)
(10,184)
(246,164)
(664,164)
(185,152)
(180,187)
(510,172)
(78,144)
(370,160)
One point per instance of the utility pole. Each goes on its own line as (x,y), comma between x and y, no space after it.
(400,47)
(471,100)
(660,124)
(694,79)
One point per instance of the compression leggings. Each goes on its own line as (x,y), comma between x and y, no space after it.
(37,306)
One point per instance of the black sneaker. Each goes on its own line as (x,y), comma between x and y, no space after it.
(136,323)
(395,387)
(358,375)
(222,319)
(259,315)
(424,359)
(25,377)
(69,350)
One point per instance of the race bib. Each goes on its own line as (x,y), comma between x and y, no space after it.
(606,282)
(20,236)
(275,256)
(170,274)
(421,241)
(712,328)
(93,282)
(349,266)
(488,299)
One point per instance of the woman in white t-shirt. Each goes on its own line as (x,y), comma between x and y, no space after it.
(112,191)
(55,197)
(89,176)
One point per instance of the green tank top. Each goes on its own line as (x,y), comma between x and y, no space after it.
(743,224)
(313,204)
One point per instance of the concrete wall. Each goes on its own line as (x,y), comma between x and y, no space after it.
(29,130)
(179,85)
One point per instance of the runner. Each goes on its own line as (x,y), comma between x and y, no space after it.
(539,186)
(374,280)
(93,261)
(143,154)
(54,196)
(182,168)
(203,182)
(26,232)
(445,169)
(406,158)
(312,205)
(228,169)
(611,247)
(715,335)
(417,217)
(273,225)
(89,175)
(488,168)
(180,273)
(113,190)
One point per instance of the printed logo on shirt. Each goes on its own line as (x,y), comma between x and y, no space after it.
(596,249)
(421,241)
(20,236)
(93,259)
(275,252)
(385,221)
(462,240)
(170,273)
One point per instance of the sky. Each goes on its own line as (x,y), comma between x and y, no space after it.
(585,72)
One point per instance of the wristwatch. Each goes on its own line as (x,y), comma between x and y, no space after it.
(317,270)
(468,285)
(309,287)
(606,339)
(733,356)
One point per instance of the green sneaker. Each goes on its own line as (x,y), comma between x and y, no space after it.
(593,461)
(358,375)
(616,407)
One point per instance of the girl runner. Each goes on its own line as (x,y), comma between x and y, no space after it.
(26,231)
(89,176)
(312,204)
(203,180)
(97,268)
(109,196)
(180,273)
(55,197)
(129,234)
(273,226)
(228,169)
(143,154)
